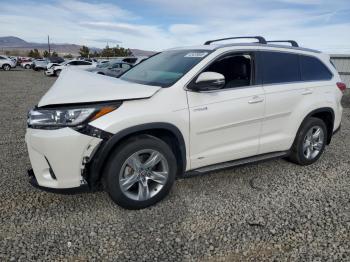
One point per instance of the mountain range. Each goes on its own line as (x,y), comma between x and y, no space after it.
(8,43)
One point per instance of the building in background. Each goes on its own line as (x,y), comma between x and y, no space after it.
(342,63)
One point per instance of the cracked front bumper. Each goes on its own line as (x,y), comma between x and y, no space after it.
(57,156)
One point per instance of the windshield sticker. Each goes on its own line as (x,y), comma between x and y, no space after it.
(201,54)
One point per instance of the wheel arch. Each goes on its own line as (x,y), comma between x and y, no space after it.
(165,131)
(327,115)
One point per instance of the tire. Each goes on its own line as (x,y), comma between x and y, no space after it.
(27,67)
(6,67)
(138,174)
(58,72)
(308,147)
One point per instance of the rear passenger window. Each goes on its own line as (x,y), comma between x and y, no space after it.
(312,69)
(280,67)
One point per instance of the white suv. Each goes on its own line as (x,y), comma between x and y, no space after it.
(183,111)
(6,63)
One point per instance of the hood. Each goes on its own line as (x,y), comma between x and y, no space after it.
(79,86)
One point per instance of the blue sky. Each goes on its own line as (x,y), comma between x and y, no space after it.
(161,24)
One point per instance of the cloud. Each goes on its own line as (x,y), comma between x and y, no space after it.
(158,24)
(119,27)
(107,40)
(184,29)
(95,10)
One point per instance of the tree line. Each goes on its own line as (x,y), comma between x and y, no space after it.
(35,53)
(105,52)
(84,51)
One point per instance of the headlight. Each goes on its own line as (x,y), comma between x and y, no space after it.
(66,117)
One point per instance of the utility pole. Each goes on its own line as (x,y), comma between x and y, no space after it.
(48,43)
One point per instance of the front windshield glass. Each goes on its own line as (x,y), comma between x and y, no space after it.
(166,68)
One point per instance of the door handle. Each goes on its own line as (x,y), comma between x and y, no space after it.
(307,92)
(256,99)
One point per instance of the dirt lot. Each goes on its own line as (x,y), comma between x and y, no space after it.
(267,211)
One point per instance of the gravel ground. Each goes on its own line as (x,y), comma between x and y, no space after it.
(268,211)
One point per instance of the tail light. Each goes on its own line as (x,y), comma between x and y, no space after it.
(341,86)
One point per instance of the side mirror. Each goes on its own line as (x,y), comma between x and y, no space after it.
(207,81)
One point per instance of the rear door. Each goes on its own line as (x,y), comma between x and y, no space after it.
(287,99)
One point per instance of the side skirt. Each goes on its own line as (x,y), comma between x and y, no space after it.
(234,163)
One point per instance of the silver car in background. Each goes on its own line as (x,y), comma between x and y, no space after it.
(113,68)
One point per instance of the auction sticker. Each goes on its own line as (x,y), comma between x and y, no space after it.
(198,54)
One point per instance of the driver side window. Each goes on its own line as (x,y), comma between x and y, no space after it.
(236,68)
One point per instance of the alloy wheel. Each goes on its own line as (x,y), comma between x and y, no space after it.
(313,142)
(143,174)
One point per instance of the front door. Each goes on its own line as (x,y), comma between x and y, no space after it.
(225,124)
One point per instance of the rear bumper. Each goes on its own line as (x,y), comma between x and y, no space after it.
(65,191)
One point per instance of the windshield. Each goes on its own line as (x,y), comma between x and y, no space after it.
(166,68)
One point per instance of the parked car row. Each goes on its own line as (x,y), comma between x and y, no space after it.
(53,66)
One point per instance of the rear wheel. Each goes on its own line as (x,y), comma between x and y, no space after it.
(140,172)
(310,142)
(6,67)
(27,67)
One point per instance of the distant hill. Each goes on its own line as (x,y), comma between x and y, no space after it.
(16,43)
(12,41)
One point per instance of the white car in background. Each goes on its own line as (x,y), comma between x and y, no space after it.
(56,69)
(6,63)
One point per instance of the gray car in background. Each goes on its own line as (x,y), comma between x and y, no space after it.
(112,68)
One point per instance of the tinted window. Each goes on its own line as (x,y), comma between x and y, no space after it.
(130,60)
(2,57)
(83,63)
(280,67)
(313,69)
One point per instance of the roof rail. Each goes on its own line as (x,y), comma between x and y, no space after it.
(292,42)
(259,38)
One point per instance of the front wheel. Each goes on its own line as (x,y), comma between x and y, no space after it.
(140,172)
(6,67)
(27,67)
(310,142)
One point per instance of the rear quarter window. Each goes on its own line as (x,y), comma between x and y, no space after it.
(313,69)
